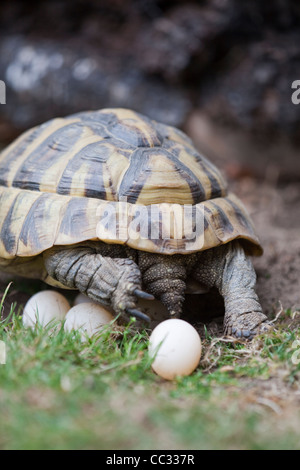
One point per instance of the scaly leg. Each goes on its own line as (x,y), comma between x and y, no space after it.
(231,271)
(110,281)
(165,276)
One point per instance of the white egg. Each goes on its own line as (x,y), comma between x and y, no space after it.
(44,307)
(82,299)
(88,318)
(176,348)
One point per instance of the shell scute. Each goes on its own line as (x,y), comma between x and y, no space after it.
(58,178)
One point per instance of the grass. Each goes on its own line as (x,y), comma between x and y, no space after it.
(59,393)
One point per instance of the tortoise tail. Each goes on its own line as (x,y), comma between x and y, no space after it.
(164,277)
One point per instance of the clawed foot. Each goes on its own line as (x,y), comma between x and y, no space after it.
(127,291)
(137,313)
(247,326)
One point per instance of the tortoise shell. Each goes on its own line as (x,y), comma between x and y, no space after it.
(57,181)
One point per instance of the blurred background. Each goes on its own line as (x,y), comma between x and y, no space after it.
(221,70)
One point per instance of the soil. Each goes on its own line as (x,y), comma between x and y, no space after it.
(276,213)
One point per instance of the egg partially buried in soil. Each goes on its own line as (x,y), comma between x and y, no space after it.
(45,307)
(176,347)
(82,299)
(88,318)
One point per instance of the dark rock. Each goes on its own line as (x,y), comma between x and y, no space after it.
(45,79)
(233,62)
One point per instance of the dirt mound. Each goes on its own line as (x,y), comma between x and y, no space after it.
(276,213)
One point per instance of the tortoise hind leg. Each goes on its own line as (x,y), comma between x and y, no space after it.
(165,276)
(110,281)
(231,271)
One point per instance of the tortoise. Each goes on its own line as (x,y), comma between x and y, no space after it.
(70,189)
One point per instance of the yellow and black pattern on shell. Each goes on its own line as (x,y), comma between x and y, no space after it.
(164,228)
(32,222)
(110,154)
(56,179)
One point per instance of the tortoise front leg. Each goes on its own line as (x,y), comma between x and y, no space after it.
(231,271)
(110,281)
(243,312)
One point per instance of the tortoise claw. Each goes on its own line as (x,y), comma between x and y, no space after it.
(136,313)
(249,334)
(243,334)
(143,295)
